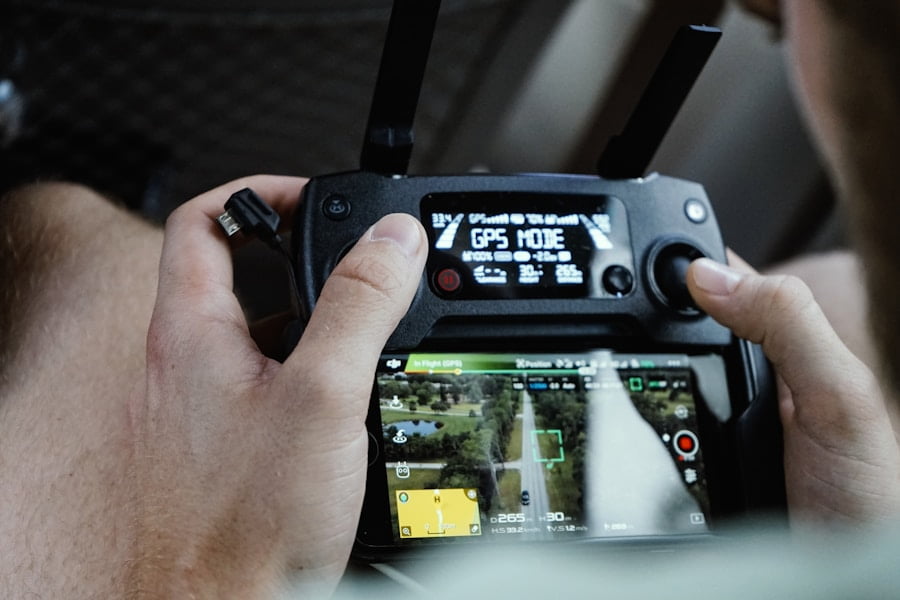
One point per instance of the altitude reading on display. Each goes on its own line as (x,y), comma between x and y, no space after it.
(507,245)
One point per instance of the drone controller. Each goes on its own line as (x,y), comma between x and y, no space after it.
(552,380)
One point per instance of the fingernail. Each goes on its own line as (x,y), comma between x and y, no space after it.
(400,229)
(715,278)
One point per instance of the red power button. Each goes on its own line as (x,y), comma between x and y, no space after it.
(447,280)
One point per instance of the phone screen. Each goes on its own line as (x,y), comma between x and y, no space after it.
(537,447)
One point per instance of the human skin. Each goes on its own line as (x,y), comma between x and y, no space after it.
(79,278)
(184,462)
(846,74)
(248,472)
(166,456)
(841,457)
(845,65)
(197,480)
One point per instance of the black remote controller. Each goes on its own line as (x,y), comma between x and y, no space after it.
(582,255)
(552,319)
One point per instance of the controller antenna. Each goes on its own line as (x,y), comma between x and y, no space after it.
(388,143)
(628,154)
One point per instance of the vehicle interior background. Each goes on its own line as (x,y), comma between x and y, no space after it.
(153,101)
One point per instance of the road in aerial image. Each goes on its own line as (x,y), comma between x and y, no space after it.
(533,470)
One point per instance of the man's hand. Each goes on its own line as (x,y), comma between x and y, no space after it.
(247,471)
(842,462)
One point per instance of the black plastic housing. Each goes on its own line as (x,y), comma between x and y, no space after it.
(666,216)
(618,260)
(657,218)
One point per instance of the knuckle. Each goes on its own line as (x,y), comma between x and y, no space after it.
(178,215)
(771,299)
(162,344)
(373,275)
(247,181)
(785,294)
(788,311)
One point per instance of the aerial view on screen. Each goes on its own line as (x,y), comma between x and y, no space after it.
(542,446)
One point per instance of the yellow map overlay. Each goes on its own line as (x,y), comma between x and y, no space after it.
(438,513)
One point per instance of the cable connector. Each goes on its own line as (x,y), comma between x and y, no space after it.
(246,211)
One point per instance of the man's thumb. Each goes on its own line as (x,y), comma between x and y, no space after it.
(363,300)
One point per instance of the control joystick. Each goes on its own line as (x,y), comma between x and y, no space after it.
(552,291)
(669,277)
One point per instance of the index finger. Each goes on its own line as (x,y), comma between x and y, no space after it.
(279,191)
(196,258)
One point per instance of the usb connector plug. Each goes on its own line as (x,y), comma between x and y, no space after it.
(245,211)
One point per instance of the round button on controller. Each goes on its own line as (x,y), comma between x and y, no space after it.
(447,280)
(336,207)
(695,210)
(617,280)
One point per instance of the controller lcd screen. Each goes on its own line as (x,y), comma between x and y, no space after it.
(541,446)
(526,245)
